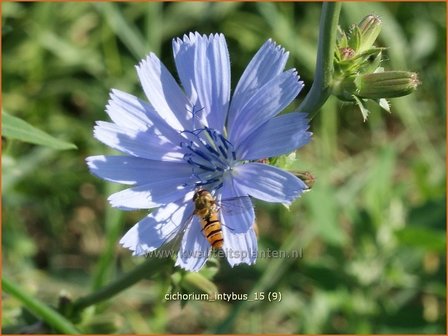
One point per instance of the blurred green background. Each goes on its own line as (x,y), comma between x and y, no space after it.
(371,231)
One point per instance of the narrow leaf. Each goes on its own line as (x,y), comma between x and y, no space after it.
(16,128)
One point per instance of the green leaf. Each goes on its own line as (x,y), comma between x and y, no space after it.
(16,128)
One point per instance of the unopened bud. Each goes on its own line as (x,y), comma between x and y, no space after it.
(346,53)
(370,28)
(387,84)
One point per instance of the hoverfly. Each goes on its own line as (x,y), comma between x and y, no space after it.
(209,211)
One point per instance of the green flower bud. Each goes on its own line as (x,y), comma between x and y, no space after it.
(387,84)
(370,28)
(354,41)
(344,88)
(346,53)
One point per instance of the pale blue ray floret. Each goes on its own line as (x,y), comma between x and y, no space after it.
(198,136)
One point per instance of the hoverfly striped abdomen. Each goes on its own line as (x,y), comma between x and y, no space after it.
(207,211)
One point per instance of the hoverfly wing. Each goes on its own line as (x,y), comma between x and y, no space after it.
(236,213)
(234,205)
(173,239)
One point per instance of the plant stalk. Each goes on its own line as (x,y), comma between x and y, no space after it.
(149,267)
(321,89)
(40,309)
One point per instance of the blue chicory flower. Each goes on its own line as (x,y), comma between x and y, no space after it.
(199,137)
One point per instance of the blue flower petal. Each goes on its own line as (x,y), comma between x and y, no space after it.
(239,248)
(158,228)
(145,144)
(128,111)
(266,102)
(236,207)
(150,195)
(203,66)
(195,249)
(267,63)
(280,135)
(268,183)
(164,93)
(132,170)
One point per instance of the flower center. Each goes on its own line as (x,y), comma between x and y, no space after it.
(210,154)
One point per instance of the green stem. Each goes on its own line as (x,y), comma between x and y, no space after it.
(149,267)
(321,88)
(40,309)
(113,228)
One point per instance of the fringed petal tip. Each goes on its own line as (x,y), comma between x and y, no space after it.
(194,37)
(271,44)
(240,248)
(295,73)
(250,263)
(130,241)
(190,265)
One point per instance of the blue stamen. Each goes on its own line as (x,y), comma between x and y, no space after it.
(190,161)
(209,153)
(211,149)
(223,152)
(226,142)
(200,153)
